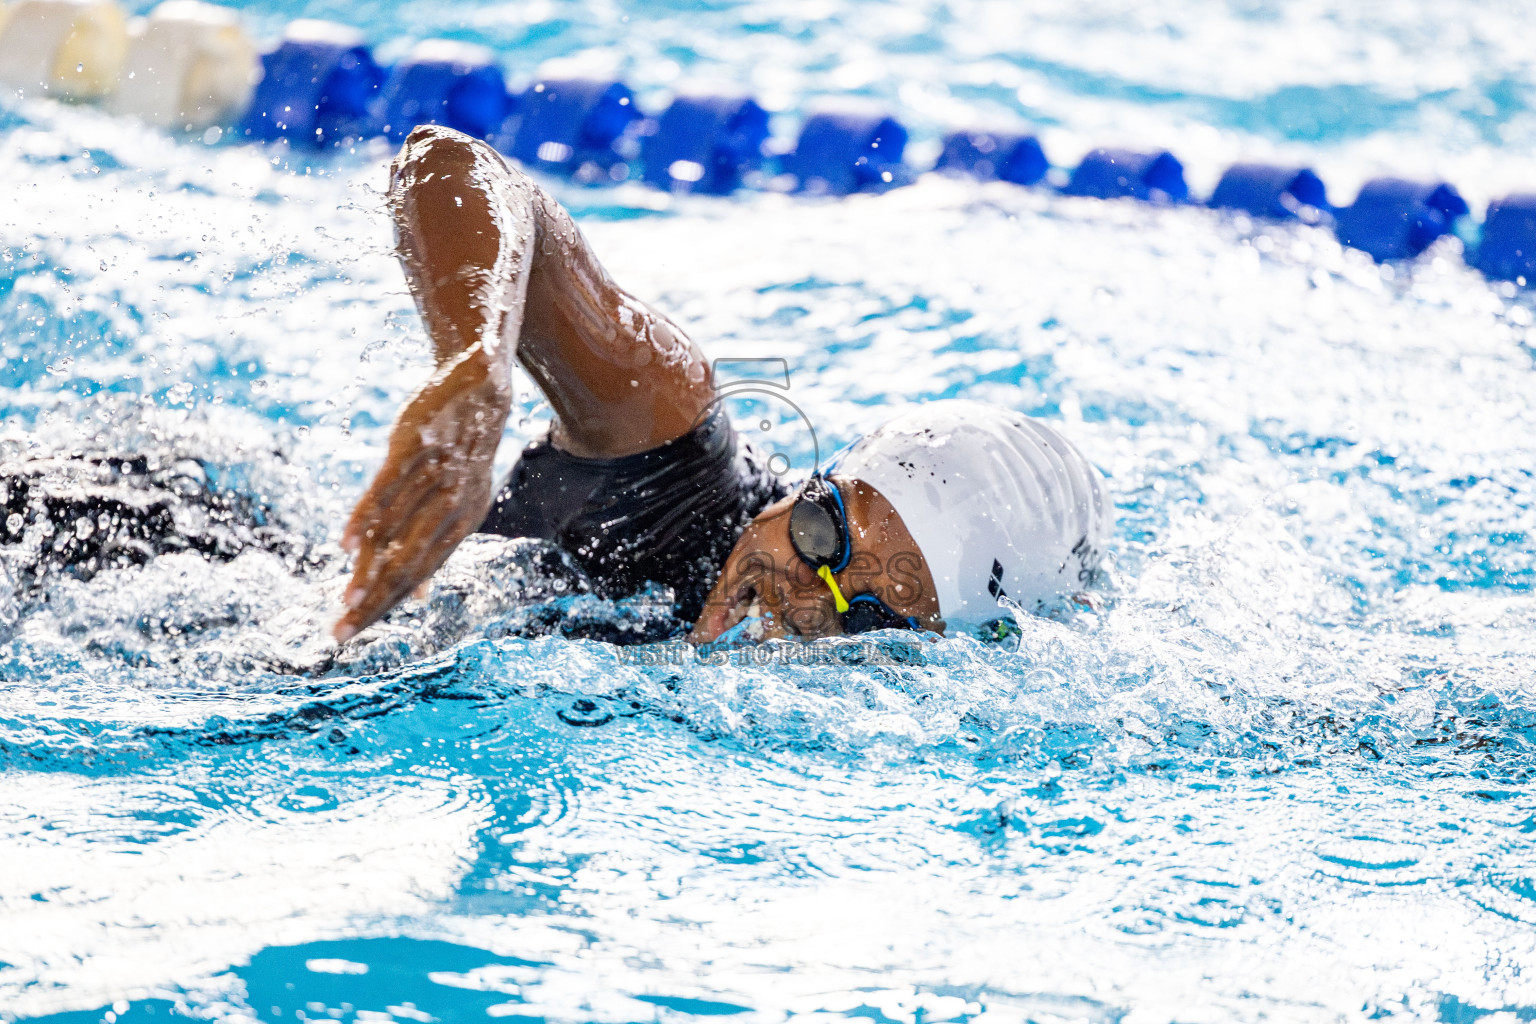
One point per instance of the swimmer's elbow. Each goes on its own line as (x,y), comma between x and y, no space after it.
(430,144)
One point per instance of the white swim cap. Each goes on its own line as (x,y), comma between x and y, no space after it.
(1001,505)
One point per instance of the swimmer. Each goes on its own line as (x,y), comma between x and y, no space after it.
(948,516)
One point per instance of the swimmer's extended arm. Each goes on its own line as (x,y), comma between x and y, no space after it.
(465,244)
(499,270)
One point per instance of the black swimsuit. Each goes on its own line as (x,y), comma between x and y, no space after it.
(669,515)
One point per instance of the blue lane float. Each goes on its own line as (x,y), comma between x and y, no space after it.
(1265,190)
(568,123)
(1126,174)
(998,156)
(316,88)
(1395,219)
(321,86)
(705,144)
(448,83)
(845,151)
(1507,251)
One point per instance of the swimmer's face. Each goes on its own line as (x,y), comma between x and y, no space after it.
(764,577)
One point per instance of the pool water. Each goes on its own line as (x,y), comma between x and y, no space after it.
(1275,768)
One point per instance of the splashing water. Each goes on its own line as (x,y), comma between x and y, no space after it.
(1275,767)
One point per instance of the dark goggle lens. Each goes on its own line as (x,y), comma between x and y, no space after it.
(867,613)
(813,529)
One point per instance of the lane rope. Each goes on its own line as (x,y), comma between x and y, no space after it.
(191,66)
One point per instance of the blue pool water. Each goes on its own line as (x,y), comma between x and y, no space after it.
(1278,770)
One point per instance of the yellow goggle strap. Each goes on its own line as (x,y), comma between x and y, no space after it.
(825,572)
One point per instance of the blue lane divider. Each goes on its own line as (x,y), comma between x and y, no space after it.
(321,86)
(570,122)
(1396,219)
(316,87)
(1508,248)
(705,144)
(1125,174)
(995,155)
(444,83)
(1265,190)
(845,151)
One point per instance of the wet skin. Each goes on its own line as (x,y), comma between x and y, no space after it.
(763,569)
(499,271)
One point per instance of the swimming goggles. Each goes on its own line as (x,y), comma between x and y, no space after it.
(818,531)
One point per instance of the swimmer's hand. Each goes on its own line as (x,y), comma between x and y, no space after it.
(434,489)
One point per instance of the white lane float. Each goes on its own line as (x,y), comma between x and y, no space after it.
(189,65)
(69,49)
